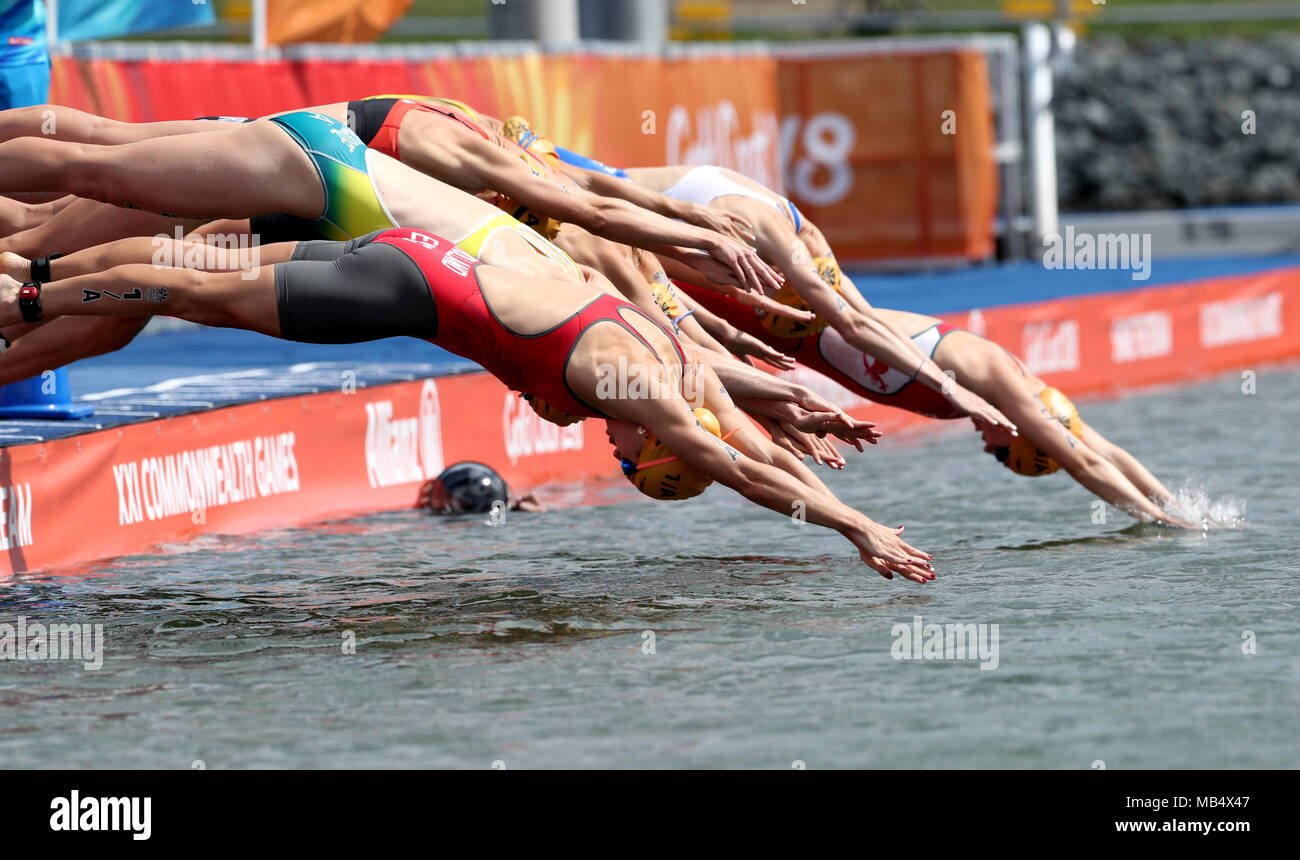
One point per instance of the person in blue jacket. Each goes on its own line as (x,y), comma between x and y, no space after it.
(24,54)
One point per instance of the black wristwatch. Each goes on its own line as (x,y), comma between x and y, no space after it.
(29,302)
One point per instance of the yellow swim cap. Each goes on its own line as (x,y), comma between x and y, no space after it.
(518,130)
(663,477)
(549,413)
(521,132)
(666,298)
(829,271)
(1025,458)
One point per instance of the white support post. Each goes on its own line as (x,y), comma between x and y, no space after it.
(51,22)
(1040,129)
(555,22)
(258,35)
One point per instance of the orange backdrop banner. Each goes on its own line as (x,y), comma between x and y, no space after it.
(331,20)
(626,110)
(892,154)
(631,110)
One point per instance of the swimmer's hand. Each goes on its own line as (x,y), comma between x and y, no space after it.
(824,452)
(722,222)
(528,503)
(843,426)
(741,344)
(994,437)
(800,443)
(969,403)
(1180,523)
(818,418)
(747,268)
(886,553)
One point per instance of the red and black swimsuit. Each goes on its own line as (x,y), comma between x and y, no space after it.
(408,282)
(379,121)
(829,354)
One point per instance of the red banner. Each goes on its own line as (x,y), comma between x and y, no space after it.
(303,459)
(277,463)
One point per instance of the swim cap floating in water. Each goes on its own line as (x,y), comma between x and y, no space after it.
(468,488)
(1024,457)
(661,476)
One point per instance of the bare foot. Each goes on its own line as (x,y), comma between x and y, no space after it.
(9,313)
(15,266)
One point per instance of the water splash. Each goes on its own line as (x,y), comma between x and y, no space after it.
(1192,502)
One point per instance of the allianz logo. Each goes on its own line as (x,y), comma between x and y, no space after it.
(404,450)
(1051,347)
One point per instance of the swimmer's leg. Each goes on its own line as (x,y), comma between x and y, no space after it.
(75,126)
(319,300)
(161,251)
(13,216)
(85,223)
(225,299)
(253,169)
(53,343)
(17,215)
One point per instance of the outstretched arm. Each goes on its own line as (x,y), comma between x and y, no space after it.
(692,213)
(867,331)
(672,422)
(1096,473)
(1148,484)
(562,199)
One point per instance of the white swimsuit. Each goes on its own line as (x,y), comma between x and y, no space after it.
(701,185)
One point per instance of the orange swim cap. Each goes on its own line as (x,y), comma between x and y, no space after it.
(519,130)
(829,271)
(1024,457)
(660,475)
(549,413)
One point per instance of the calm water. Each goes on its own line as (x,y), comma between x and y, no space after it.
(525,643)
